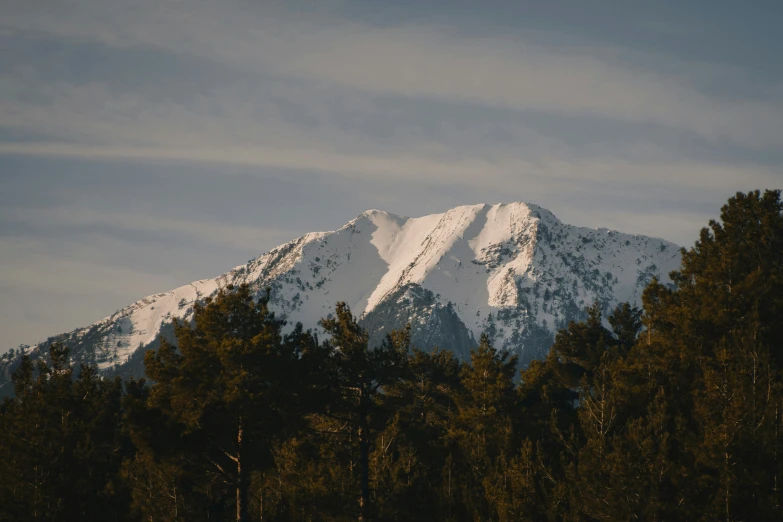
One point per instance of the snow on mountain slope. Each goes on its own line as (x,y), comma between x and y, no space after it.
(512,270)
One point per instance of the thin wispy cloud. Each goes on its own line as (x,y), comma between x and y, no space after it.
(211,234)
(415,60)
(289,65)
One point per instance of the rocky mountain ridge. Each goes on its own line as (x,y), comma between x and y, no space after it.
(514,271)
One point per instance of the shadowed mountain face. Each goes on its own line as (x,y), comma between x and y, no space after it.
(513,271)
(433,324)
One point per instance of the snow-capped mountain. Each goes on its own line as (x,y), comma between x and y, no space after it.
(512,270)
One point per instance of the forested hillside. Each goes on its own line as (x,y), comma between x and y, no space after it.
(668,412)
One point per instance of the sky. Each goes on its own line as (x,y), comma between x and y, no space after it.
(148,143)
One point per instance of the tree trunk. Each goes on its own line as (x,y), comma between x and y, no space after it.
(364,460)
(242,484)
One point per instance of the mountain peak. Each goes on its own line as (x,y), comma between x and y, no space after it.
(375,212)
(512,270)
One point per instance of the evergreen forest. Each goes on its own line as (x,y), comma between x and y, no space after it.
(671,412)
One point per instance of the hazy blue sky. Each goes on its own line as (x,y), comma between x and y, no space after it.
(148,143)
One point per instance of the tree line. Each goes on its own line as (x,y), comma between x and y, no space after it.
(669,412)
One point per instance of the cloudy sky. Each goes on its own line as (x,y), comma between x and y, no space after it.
(148,143)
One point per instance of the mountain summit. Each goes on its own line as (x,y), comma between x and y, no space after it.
(514,271)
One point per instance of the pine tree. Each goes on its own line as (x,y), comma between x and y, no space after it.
(60,444)
(580,348)
(734,270)
(626,322)
(484,426)
(230,387)
(736,448)
(411,460)
(359,376)
(712,342)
